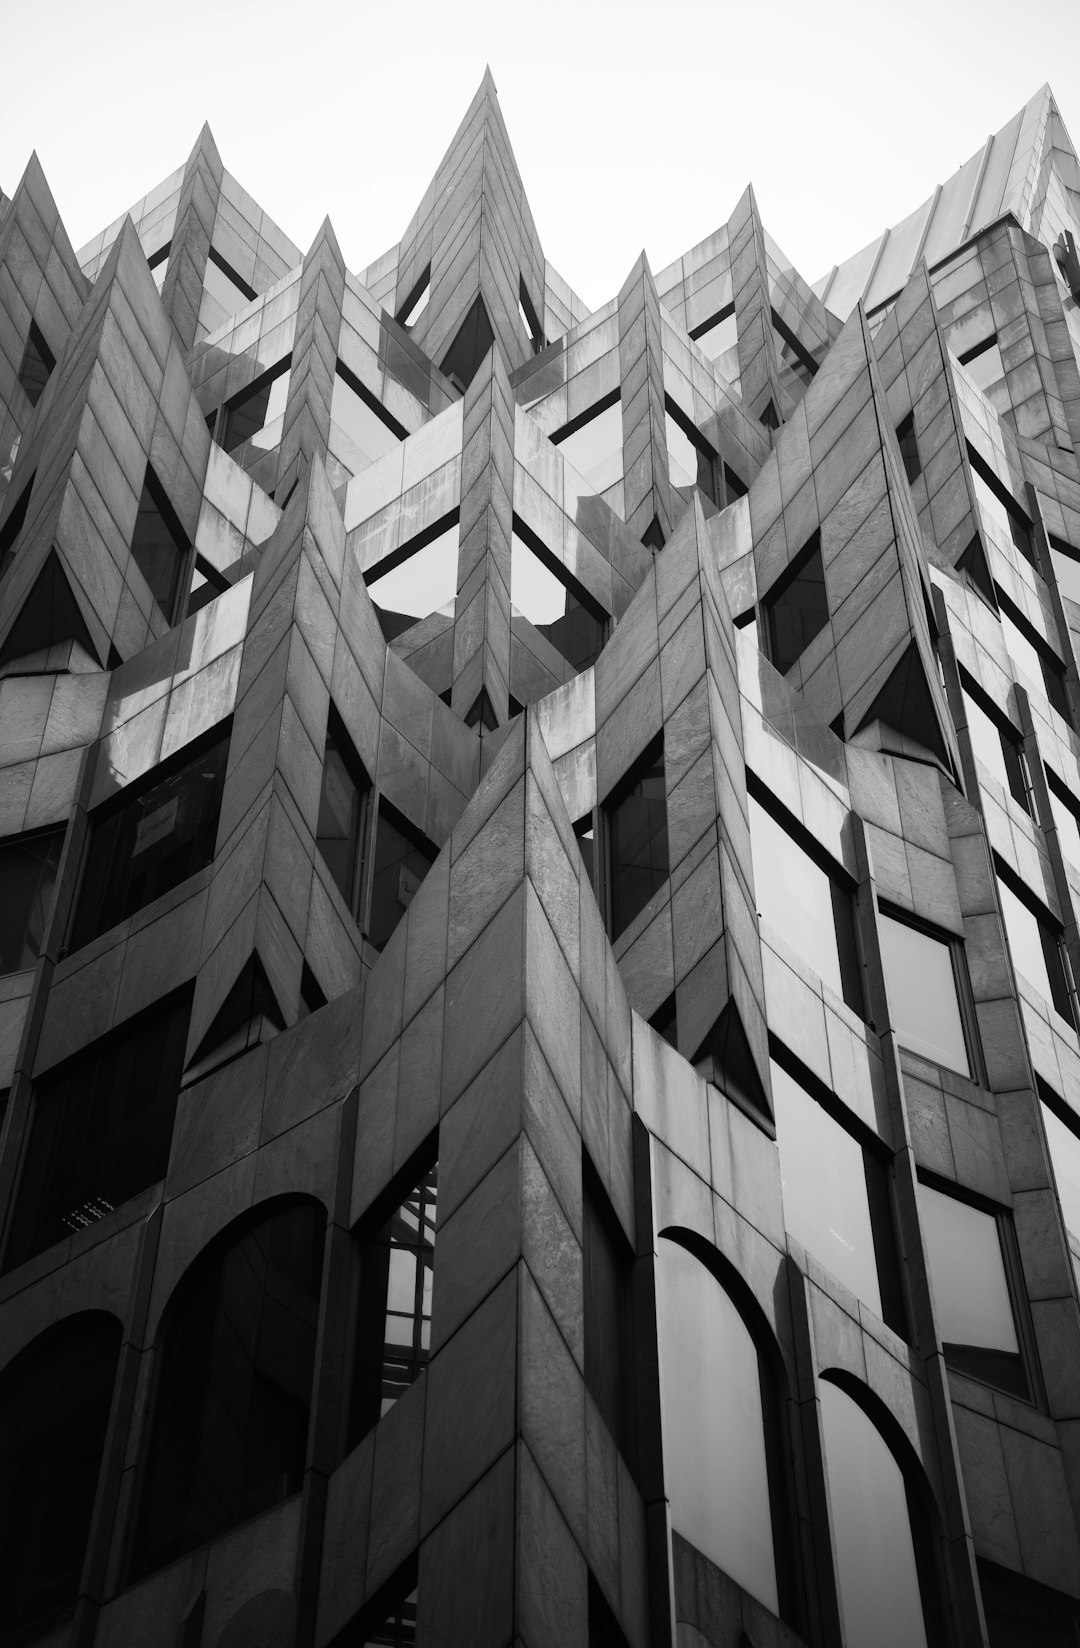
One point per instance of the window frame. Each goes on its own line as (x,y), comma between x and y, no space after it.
(1011,739)
(776,592)
(1052,667)
(908,443)
(551,563)
(1012,1269)
(220,426)
(1021,525)
(965,998)
(604,887)
(1052,937)
(845,895)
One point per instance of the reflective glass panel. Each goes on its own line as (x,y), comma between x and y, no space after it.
(823,1177)
(361,435)
(229,1431)
(909,448)
(715,1466)
(868,1509)
(28,866)
(794,895)
(101,1129)
(986,741)
(1023,652)
(1065,1155)
(985,368)
(222,296)
(1011,522)
(148,842)
(403,858)
(159,271)
(922,993)
(1067,823)
(595,449)
(720,336)
(607,1262)
(397,1277)
(1035,950)
(638,839)
(797,607)
(158,544)
(1067,570)
(475,337)
(255,414)
(553,607)
(54,1409)
(343,803)
(37,363)
(682,454)
(424,582)
(971,1292)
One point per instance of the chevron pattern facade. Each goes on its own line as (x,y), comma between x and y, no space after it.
(540,865)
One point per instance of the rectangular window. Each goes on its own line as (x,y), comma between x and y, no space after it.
(797,606)
(1063,1137)
(225,292)
(527,310)
(1033,657)
(803,896)
(983,363)
(418,579)
(341,833)
(635,815)
(608,1262)
(929,996)
(836,1194)
(403,857)
(1066,563)
(1035,943)
(151,837)
(1066,810)
(970,1253)
(593,443)
(718,340)
(158,264)
(797,366)
(396,1241)
(101,1128)
(416,302)
(542,591)
(28,866)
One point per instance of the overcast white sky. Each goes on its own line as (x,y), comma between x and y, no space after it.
(634,125)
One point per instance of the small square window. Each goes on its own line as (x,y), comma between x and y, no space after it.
(797,606)
(255,413)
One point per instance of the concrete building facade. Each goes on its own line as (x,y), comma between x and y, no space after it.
(540,860)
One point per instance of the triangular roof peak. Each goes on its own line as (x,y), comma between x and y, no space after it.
(1006,176)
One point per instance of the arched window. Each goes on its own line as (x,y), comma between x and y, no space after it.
(884,1553)
(723,1467)
(228,1432)
(54,1409)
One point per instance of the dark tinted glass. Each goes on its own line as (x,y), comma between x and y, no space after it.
(474,339)
(797,608)
(54,1409)
(27,876)
(158,544)
(1021,1614)
(101,1129)
(393,1331)
(256,407)
(343,812)
(150,841)
(585,831)
(638,839)
(609,1365)
(37,363)
(229,1430)
(909,447)
(13,526)
(403,858)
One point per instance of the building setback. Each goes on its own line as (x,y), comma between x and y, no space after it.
(539,870)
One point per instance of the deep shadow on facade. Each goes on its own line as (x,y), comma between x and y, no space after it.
(539,870)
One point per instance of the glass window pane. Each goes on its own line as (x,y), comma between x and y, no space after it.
(553,607)
(971,1292)
(795,896)
(715,1467)
(101,1129)
(797,607)
(1024,654)
(595,449)
(342,812)
(402,860)
(28,868)
(985,368)
(37,364)
(986,741)
(393,1334)
(637,834)
(879,1582)
(423,583)
(358,435)
(1067,824)
(158,544)
(147,843)
(1065,1155)
(682,454)
(823,1178)
(922,993)
(1067,570)
(257,413)
(1035,951)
